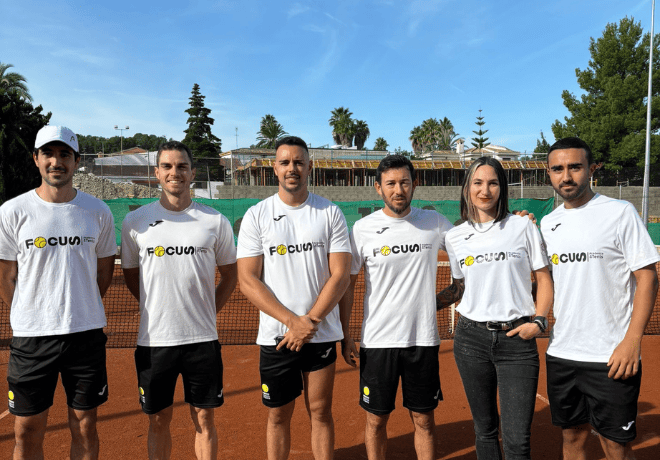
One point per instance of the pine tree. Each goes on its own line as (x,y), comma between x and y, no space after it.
(542,145)
(610,115)
(199,138)
(480,142)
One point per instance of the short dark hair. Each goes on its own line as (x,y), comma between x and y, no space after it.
(291,140)
(572,143)
(174,145)
(468,212)
(394,162)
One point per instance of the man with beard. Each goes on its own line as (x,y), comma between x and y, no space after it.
(398,247)
(603,265)
(57,252)
(294,261)
(170,249)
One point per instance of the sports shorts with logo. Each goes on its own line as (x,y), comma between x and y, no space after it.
(282,370)
(381,368)
(581,392)
(36,362)
(200,366)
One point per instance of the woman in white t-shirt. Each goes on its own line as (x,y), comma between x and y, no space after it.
(494,252)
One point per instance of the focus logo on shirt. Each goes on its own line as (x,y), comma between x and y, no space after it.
(490,257)
(160,251)
(283,249)
(572,257)
(401,249)
(41,241)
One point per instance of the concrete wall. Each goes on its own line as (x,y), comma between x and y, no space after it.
(632,194)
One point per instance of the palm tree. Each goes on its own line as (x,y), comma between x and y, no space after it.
(269,132)
(416,139)
(342,126)
(13,82)
(380,144)
(361,130)
(430,134)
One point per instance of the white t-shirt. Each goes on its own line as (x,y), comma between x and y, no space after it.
(594,249)
(56,246)
(177,253)
(400,258)
(295,243)
(496,261)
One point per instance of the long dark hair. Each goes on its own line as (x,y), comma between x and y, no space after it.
(468,211)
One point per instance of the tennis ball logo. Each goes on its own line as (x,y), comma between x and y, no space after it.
(555,259)
(366,391)
(141,391)
(264,388)
(469,260)
(281,249)
(40,242)
(386,251)
(11,395)
(159,251)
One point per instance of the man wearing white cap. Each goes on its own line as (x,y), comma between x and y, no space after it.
(57,251)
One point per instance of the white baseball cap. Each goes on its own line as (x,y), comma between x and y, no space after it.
(50,133)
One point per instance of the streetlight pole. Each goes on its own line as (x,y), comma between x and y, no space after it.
(647,153)
(121,150)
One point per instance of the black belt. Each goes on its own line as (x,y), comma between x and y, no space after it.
(501,325)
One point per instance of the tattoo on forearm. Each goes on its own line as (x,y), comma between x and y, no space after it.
(451,294)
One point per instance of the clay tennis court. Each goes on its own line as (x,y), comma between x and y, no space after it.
(241,421)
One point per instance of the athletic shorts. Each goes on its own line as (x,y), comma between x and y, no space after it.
(282,370)
(380,369)
(36,362)
(581,392)
(200,366)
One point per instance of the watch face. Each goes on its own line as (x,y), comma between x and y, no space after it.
(542,321)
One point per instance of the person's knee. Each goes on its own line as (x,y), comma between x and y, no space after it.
(203,419)
(614,449)
(29,431)
(84,428)
(377,422)
(575,436)
(423,421)
(160,421)
(321,410)
(280,415)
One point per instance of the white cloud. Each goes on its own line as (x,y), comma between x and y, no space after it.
(81,55)
(314,28)
(419,10)
(297,9)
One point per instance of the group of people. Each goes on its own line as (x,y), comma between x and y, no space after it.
(593,262)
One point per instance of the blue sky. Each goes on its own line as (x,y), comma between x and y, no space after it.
(394,63)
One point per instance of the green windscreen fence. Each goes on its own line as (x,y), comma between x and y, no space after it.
(234,210)
(238,321)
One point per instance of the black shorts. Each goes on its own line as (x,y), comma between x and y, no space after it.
(380,369)
(282,370)
(200,366)
(34,365)
(581,392)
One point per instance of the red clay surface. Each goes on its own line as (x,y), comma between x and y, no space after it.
(241,421)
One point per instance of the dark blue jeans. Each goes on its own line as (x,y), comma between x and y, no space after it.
(489,361)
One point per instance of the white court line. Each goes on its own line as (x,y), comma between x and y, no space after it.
(4,414)
(543,399)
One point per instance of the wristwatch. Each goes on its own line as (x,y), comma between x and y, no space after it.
(542,321)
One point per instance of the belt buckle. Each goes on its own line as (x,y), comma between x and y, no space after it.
(493,325)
